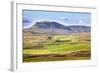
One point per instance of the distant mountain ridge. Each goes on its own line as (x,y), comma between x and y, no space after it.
(56,28)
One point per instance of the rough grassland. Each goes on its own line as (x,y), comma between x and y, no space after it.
(43,47)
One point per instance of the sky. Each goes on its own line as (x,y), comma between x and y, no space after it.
(30,17)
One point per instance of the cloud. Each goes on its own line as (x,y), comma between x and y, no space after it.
(80,22)
(26,21)
(64,18)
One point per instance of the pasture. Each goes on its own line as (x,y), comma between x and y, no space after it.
(46,47)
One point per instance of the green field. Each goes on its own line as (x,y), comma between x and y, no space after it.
(44,47)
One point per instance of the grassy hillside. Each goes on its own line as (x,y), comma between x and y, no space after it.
(43,47)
